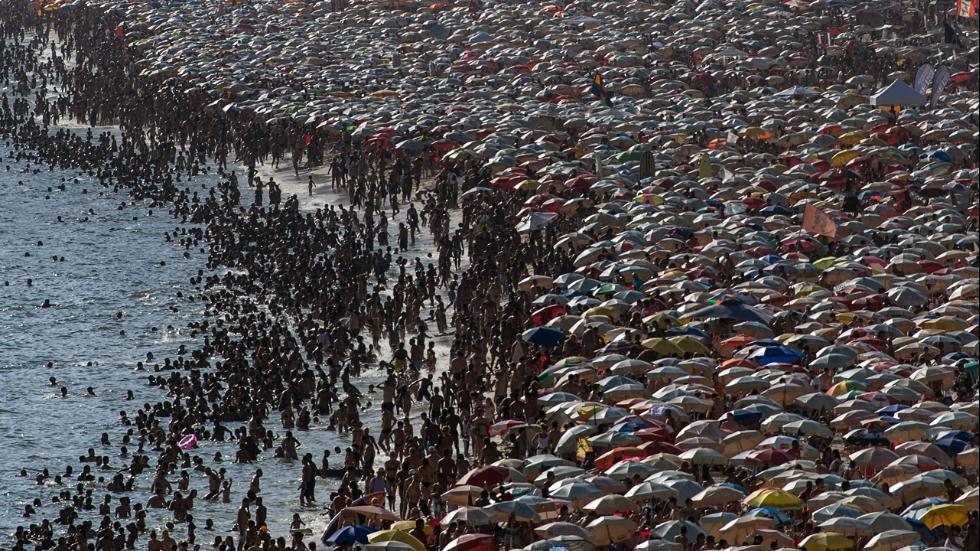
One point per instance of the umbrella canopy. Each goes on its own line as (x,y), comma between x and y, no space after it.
(611,529)
(826,541)
(349,535)
(897,93)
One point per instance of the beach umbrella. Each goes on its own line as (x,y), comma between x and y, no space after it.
(560,472)
(730,310)
(544,336)
(891,540)
(741,441)
(946,514)
(970,500)
(836,510)
(671,529)
(807,427)
(576,491)
(473,516)
(616,455)
(390,545)
(463,494)
(398,536)
(610,504)
(349,535)
(628,469)
(607,530)
(906,431)
(846,526)
(647,490)
(373,512)
(472,542)
(873,458)
(556,529)
(884,521)
(538,463)
(713,522)
(716,496)
(485,476)
(516,510)
(658,545)
(777,499)
(685,489)
(816,401)
(743,528)
(917,488)
(826,541)
(704,456)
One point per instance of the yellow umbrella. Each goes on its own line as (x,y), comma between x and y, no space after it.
(661,319)
(528,185)
(396,535)
(852,138)
(947,514)
(661,346)
(689,344)
(408,526)
(826,541)
(944,323)
(844,157)
(780,499)
(588,412)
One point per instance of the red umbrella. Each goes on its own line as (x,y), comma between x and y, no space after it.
(612,457)
(484,476)
(769,456)
(548,313)
(472,542)
(653,434)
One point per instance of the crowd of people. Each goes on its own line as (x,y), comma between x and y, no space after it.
(686,312)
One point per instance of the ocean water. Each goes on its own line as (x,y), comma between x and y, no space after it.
(113,299)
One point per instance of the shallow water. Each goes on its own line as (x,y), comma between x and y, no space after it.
(112,265)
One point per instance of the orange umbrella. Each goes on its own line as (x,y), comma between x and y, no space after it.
(616,455)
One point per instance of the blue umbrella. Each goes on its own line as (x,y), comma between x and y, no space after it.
(889,420)
(746,416)
(927,535)
(770,512)
(890,410)
(348,534)
(920,507)
(677,331)
(631,426)
(775,209)
(544,336)
(731,310)
(953,433)
(951,445)
(775,354)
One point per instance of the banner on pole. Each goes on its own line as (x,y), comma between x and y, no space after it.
(816,221)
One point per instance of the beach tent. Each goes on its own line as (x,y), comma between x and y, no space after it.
(897,93)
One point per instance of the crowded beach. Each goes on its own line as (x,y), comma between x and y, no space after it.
(631,276)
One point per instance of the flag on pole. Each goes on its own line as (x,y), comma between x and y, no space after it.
(704,166)
(816,221)
(599,89)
